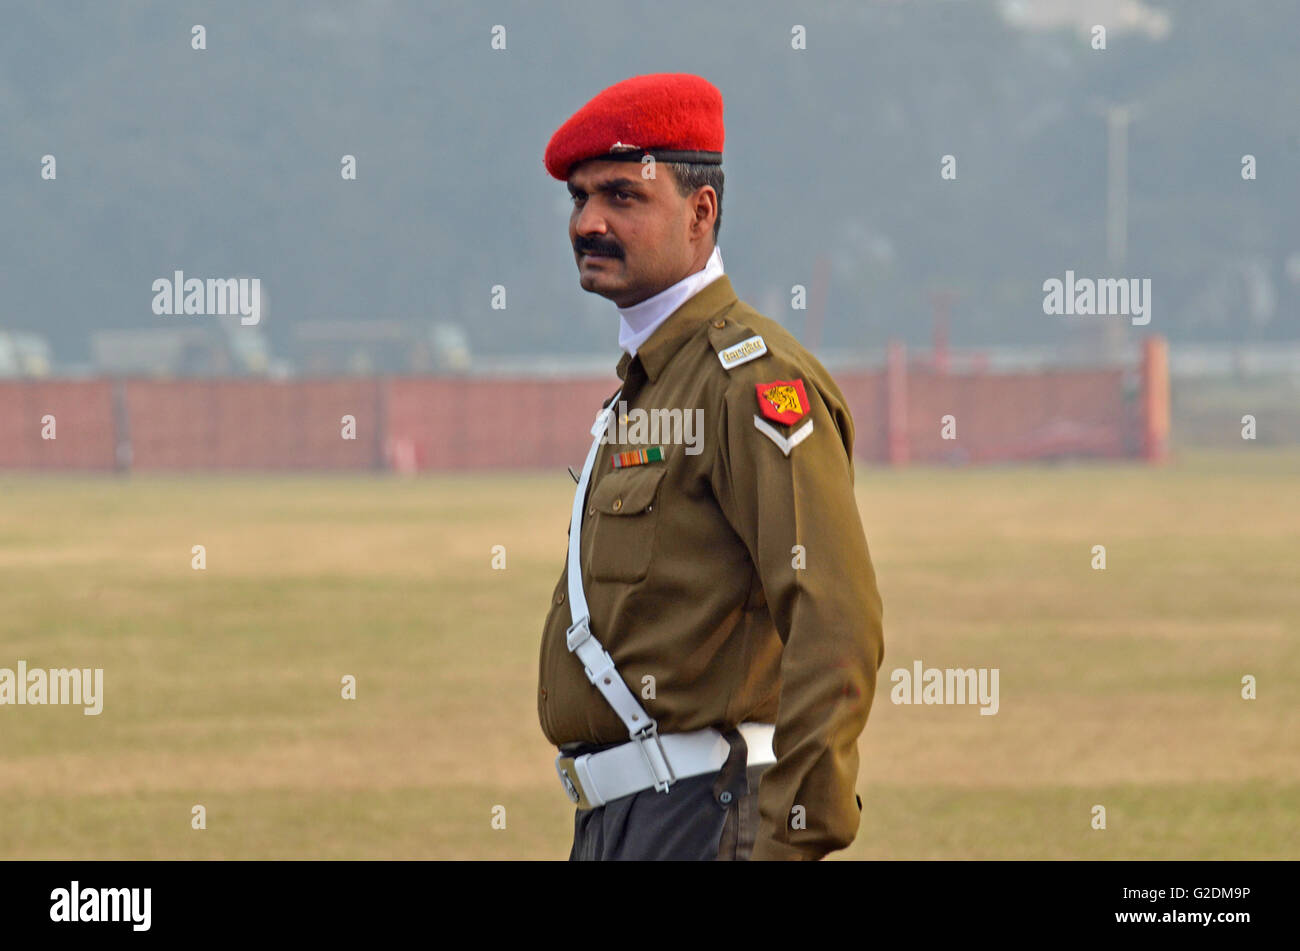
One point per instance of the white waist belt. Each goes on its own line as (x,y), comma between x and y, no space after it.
(594,779)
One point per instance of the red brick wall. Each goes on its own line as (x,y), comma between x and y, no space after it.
(83,420)
(470,424)
(253,424)
(1015,416)
(864,390)
(450,423)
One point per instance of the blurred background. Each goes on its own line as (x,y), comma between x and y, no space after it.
(433,300)
(225,162)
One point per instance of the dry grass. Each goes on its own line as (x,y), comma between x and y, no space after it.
(222,687)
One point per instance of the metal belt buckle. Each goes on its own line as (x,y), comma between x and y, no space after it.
(569,780)
(643,737)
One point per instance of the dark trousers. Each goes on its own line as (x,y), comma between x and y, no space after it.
(710,817)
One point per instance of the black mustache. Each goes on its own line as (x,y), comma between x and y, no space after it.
(592,246)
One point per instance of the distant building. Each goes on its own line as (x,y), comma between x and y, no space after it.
(365,347)
(209,349)
(1121,16)
(24,355)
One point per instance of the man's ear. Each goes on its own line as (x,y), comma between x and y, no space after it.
(701,201)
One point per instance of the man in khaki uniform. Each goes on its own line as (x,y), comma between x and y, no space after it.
(708,696)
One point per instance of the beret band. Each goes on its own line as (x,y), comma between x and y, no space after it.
(662,155)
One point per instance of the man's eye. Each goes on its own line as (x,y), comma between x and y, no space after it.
(622,196)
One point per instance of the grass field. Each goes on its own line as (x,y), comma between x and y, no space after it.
(222,687)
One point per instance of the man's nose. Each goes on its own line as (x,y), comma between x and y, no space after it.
(589,221)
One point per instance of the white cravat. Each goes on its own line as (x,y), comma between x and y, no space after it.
(638,322)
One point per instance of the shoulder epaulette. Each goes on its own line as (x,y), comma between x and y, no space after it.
(734,342)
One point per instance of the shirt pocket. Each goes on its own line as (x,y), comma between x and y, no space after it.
(627,518)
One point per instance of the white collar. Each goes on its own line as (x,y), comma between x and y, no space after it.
(638,322)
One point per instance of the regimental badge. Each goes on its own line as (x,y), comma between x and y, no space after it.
(782,400)
(637,457)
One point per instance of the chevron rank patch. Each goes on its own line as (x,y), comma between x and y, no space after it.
(784,443)
(782,400)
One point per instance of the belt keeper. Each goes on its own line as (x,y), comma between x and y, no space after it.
(641,738)
(607,666)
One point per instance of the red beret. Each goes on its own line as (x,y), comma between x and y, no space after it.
(676,117)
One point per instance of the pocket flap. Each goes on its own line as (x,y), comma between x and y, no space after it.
(628,491)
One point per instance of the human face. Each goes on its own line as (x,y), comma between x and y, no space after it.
(631,236)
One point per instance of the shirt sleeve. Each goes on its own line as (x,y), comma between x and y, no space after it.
(798,517)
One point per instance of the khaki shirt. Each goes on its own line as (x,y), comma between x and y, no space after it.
(734,575)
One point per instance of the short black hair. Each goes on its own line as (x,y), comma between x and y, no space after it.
(692,175)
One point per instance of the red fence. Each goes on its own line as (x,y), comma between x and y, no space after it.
(902,413)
